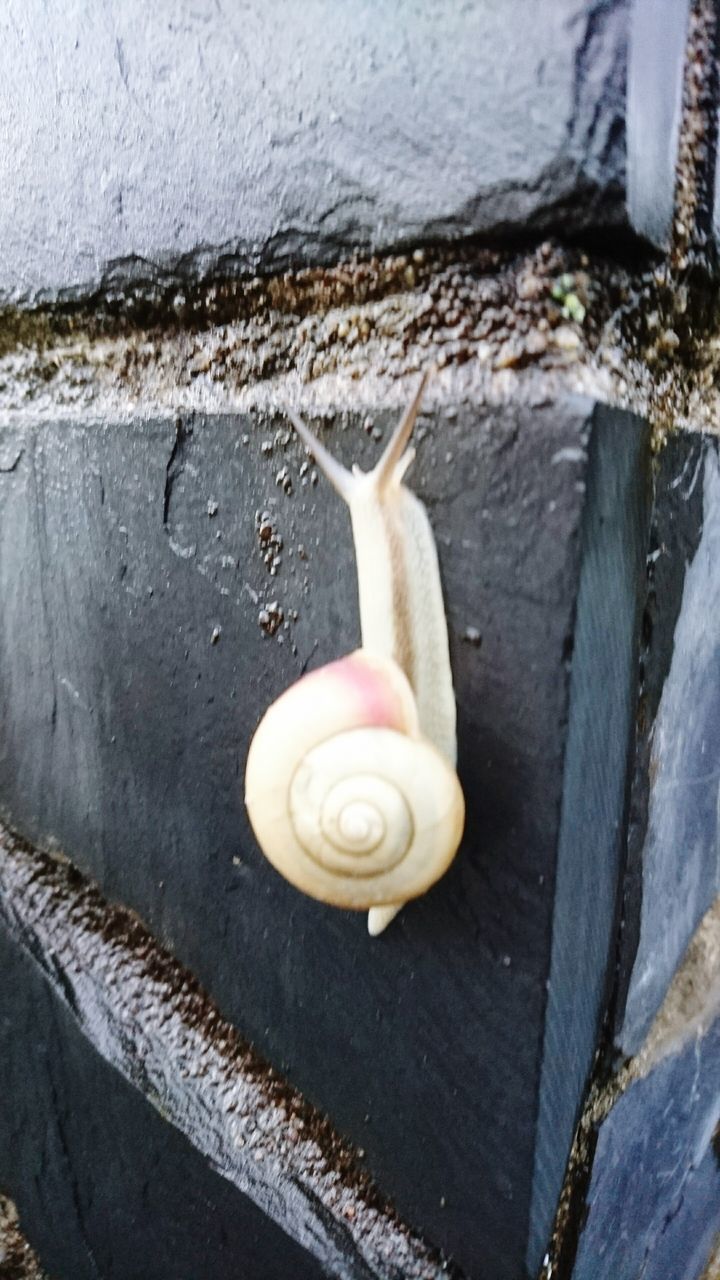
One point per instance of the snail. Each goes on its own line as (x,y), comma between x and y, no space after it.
(350,782)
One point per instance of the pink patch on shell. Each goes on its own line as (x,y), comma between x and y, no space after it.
(377,702)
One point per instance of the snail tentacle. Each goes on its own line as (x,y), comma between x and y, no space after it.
(384,472)
(342,480)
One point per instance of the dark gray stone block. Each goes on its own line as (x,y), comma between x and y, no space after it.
(124,730)
(192,139)
(103,1184)
(675,840)
(603,701)
(151,1022)
(653,1207)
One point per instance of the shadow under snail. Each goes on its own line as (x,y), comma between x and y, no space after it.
(350,782)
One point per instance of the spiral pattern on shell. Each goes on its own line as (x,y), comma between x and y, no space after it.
(347,800)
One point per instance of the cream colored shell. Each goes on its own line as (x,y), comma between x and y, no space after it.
(346,798)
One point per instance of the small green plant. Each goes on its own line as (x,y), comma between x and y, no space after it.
(563,291)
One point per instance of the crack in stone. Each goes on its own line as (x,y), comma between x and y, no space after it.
(9,465)
(67,1156)
(174,468)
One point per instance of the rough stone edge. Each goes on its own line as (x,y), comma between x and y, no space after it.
(585,203)
(692,241)
(149,1018)
(648,962)
(18,1261)
(690,1007)
(654,107)
(683,456)
(712,1270)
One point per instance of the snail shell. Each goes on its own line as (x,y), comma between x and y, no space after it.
(347,799)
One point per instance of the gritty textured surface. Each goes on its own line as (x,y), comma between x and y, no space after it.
(349,331)
(151,1022)
(195,138)
(496,326)
(493,324)
(364,321)
(133,565)
(17,1259)
(692,239)
(680,856)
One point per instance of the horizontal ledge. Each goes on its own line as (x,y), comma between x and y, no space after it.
(150,1019)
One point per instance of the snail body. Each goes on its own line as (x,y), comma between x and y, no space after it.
(384,717)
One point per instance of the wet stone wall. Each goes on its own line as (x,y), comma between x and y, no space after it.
(210,216)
